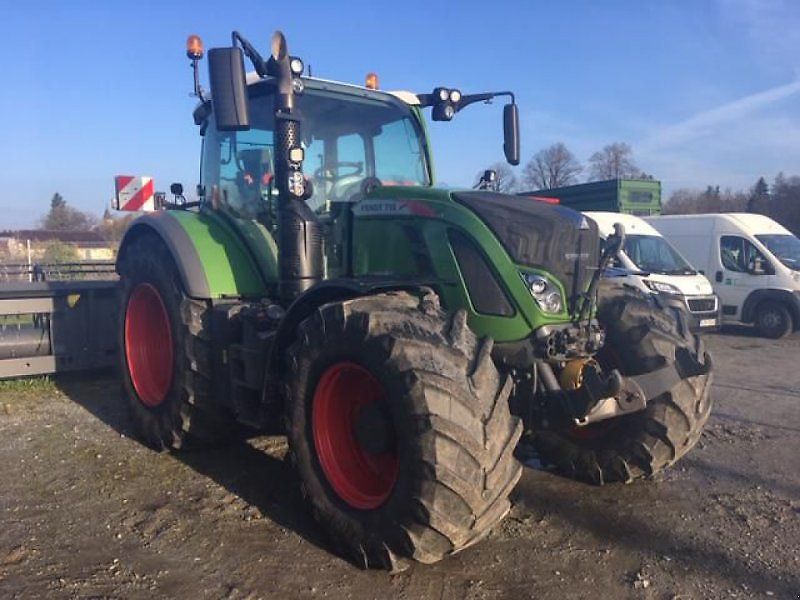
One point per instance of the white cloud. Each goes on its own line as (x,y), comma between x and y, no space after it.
(734,157)
(709,122)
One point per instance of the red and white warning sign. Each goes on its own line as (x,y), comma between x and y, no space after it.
(134,193)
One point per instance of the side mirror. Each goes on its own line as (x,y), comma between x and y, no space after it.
(176,189)
(487,180)
(511,133)
(228,89)
(616,241)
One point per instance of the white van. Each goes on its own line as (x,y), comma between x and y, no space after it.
(753,262)
(649,263)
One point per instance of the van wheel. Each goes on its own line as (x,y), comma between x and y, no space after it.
(773,320)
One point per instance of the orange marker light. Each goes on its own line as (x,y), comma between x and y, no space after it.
(372,81)
(194,47)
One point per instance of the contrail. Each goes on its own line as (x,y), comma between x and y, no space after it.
(702,122)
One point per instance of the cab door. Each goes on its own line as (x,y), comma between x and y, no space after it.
(744,270)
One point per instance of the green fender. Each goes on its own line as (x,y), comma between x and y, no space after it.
(217,256)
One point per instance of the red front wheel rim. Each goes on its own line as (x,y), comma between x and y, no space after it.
(362,479)
(148,345)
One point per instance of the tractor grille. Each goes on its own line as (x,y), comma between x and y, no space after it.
(698,305)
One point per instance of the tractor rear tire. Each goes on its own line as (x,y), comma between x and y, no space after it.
(165,354)
(440,465)
(641,336)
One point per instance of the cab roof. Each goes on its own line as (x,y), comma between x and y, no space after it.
(405,96)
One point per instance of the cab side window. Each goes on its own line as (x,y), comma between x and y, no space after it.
(741,256)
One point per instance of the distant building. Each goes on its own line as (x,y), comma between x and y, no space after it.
(89,245)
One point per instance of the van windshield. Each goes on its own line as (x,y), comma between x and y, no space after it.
(653,254)
(785,247)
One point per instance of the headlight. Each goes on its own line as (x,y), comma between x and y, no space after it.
(664,288)
(547,295)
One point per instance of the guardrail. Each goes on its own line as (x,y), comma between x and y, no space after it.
(100,269)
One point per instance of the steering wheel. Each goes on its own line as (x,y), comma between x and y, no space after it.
(328,172)
(339,185)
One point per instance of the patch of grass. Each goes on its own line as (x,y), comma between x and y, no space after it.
(43,383)
(26,388)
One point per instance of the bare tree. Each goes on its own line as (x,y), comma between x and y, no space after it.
(780,201)
(614,161)
(551,167)
(506,181)
(712,200)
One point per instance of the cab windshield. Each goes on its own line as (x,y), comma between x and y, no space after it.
(653,254)
(346,138)
(785,247)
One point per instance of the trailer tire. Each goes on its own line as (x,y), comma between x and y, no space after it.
(165,354)
(440,476)
(641,336)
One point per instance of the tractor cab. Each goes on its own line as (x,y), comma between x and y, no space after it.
(349,135)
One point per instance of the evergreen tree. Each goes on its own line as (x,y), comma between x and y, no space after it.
(62,217)
(758,201)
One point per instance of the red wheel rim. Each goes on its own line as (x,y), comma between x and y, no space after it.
(148,345)
(363,480)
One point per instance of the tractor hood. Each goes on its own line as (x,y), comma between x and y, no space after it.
(555,239)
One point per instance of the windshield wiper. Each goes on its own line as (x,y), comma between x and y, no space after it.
(679,272)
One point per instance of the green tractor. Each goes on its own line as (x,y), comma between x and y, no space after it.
(402,336)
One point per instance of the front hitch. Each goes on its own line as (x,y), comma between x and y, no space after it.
(597,398)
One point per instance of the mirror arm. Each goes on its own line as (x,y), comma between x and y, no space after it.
(426,100)
(484,97)
(259,64)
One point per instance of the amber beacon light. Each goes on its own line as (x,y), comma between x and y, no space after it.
(194,47)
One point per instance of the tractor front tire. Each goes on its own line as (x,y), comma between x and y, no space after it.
(641,336)
(165,356)
(399,428)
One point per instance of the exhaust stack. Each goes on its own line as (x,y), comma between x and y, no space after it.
(300,263)
(299,231)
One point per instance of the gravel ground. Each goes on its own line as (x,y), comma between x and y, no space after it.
(86,511)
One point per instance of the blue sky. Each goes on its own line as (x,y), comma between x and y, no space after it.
(705,92)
